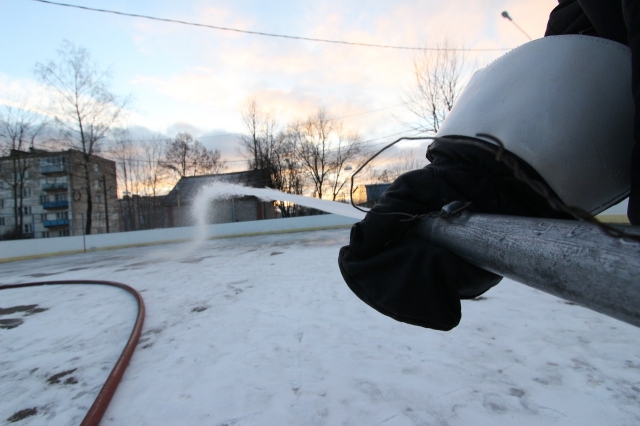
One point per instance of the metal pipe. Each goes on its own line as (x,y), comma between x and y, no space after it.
(571,260)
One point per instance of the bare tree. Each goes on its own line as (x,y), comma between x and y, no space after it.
(323,150)
(154,174)
(253,119)
(405,161)
(264,139)
(346,151)
(141,175)
(126,156)
(271,151)
(436,87)
(153,155)
(284,172)
(191,158)
(84,107)
(19,128)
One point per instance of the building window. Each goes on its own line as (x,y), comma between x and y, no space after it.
(43,217)
(96,183)
(45,234)
(28,228)
(98,199)
(1,221)
(64,233)
(95,168)
(62,197)
(1,204)
(62,215)
(26,210)
(26,174)
(43,199)
(26,192)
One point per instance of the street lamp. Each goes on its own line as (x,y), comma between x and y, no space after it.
(505,15)
(175,169)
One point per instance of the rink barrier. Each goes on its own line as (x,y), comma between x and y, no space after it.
(44,247)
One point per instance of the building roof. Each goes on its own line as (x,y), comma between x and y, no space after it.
(189,186)
(369,194)
(374,191)
(42,153)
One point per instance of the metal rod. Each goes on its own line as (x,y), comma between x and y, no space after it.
(506,15)
(106,205)
(84,238)
(571,260)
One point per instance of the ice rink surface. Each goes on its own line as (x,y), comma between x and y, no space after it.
(263,331)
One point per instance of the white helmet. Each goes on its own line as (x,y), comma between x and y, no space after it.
(564,105)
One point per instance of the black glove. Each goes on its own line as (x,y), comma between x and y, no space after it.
(412,280)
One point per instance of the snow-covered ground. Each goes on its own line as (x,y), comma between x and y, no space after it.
(263,331)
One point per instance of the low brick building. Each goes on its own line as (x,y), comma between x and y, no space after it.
(369,195)
(179,201)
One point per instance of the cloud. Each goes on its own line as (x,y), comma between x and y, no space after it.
(25,93)
(201,78)
(176,128)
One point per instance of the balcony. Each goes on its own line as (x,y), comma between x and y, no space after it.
(55,187)
(56,223)
(53,169)
(53,205)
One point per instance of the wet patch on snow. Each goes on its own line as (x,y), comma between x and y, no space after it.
(9,323)
(80,268)
(55,379)
(41,274)
(25,310)
(23,414)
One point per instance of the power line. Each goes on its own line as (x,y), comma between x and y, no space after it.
(215,27)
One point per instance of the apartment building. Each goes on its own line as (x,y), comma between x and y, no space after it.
(49,190)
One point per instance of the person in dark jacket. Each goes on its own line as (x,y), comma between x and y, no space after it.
(414,281)
(619,21)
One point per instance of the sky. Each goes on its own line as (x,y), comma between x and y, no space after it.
(185,78)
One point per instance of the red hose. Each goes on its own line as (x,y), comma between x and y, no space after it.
(95,413)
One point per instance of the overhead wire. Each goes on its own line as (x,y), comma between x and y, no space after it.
(265,34)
